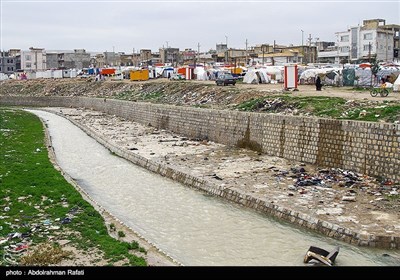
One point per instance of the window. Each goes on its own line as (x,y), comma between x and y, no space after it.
(10,61)
(344,49)
(28,57)
(10,68)
(28,65)
(344,38)
(368,36)
(367,47)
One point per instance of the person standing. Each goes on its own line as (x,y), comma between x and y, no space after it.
(318,84)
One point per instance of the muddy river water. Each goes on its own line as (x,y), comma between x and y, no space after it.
(194,228)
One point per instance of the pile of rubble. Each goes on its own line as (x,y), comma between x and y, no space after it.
(348,181)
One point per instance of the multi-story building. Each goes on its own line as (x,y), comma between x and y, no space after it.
(155,58)
(273,54)
(189,56)
(221,48)
(8,63)
(77,59)
(52,60)
(145,57)
(395,29)
(33,60)
(126,59)
(112,59)
(372,40)
(170,55)
(98,60)
(236,56)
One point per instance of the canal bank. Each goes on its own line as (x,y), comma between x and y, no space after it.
(194,228)
(261,182)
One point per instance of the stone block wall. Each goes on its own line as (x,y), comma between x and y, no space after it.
(247,200)
(364,147)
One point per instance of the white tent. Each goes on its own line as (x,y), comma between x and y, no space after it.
(275,72)
(251,77)
(3,77)
(256,76)
(396,84)
(201,74)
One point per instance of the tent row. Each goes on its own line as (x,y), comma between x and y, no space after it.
(350,75)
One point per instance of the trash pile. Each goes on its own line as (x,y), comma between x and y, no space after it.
(19,236)
(349,181)
(319,256)
(276,105)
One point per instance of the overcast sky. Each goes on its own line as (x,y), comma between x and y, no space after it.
(126,25)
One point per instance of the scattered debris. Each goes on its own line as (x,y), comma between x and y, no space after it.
(316,255)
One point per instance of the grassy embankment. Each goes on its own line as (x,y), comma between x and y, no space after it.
(326,107)
(38,203)
(319,106)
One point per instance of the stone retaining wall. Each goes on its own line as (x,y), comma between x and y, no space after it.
(346,144)
(247,200)
(364,147)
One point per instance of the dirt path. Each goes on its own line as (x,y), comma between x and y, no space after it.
(309,90)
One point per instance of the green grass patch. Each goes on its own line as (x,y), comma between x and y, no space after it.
(125,95)
(322,106)
(35,198)
(152,96)
(317,105)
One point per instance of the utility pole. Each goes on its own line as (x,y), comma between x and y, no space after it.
(133,55)
(198,51)
(166,53)
(369,60)
(263,50)
(302,45)
(386,46)
(309,49)
(245,63)
(369,52)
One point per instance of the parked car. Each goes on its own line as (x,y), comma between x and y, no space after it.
(225,79)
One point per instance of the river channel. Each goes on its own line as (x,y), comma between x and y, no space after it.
(194,228)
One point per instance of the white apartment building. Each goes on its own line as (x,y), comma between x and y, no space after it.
(366,42)
(33,60)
